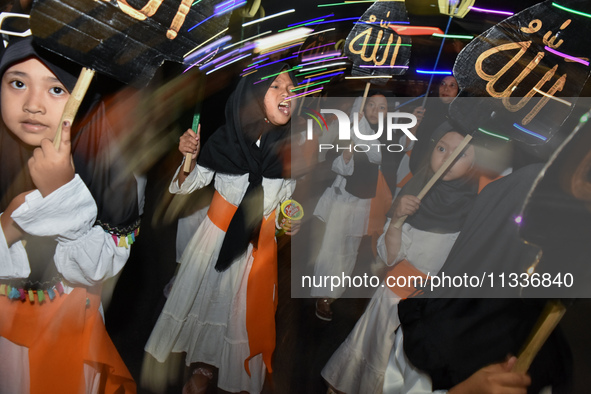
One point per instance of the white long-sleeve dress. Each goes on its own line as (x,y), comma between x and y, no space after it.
(205,314)
(346,217)
(85,256)
(371,360)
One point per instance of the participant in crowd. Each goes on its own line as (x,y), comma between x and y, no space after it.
(345,206)
(419,247)
(67,224)
(453,338)
(221,309)
(429,118)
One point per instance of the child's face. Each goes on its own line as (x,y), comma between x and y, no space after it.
(448,89)
(33,100)
(446,145)
(374,107)
(277,110)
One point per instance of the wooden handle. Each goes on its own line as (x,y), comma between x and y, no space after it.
(446,164)
(187,166)
(364,96)
(74,101)
(548,321)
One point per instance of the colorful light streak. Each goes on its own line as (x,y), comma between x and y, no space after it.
(323,76)
(200,23)
(324,65)
(311,20)
(281,72)
(323,56)
(326,72)
(378,23)
(304,94)
(311,49)
(209,47)
(493,134)
(333,20)
(434,72)
(312,72)
(323,60)
(384,45)
(226,6)
(247,39)
(320,32)
(227,63)
(571,10)
(371,77)
(310,85)
(521,128)
(275,40)
(268,17)
(458,36)
(276,61)
(564,55)
(478,9)
(368,66)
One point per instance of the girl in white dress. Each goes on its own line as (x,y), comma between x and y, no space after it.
(221,309)
(419,247)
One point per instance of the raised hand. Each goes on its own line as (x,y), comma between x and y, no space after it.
(407,205)
(190,142)
(51,167)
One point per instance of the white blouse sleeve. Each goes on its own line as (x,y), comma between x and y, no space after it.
(198,178)
(85,255)
(405,244)
(14,262)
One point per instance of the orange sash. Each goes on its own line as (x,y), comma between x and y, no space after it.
(403,273)
(380,205)
(62,335)
(261,288)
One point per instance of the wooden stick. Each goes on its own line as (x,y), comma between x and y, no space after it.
(364,96)
(548,321)
(446,164)
(74,101)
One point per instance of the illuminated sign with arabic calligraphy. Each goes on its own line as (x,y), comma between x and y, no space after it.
(120,38)
(373,45)
(533,63)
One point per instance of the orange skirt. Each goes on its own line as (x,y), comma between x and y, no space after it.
(62,335)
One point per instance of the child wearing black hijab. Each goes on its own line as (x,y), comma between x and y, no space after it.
(419,247)
(66,226)
(221,309)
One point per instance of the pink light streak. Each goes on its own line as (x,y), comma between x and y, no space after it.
(564,55)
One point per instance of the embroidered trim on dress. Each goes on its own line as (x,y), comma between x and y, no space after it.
(21,289)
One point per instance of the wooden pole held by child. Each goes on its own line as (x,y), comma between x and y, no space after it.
(74,101)
(364,96)
(546,324)
(446,164)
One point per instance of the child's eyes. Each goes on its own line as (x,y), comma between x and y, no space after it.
(17,84)
(440,148)
(57,91)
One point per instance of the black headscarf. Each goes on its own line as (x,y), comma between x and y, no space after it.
(232,149)
(445,207)
(102,169)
